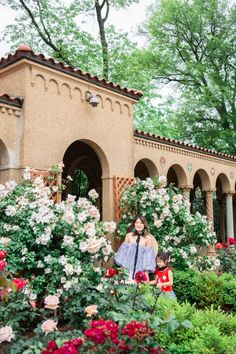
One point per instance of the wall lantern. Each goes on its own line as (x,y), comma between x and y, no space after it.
(92,99)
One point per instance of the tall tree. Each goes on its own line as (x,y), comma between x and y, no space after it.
(193,46)
(46,18)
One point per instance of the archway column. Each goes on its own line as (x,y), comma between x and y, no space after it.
(221,203)
(107,198)
(229,215)
(209,207)
(186,194)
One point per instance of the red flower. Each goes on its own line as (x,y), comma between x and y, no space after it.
(3,254)
(218,245)
(101,330)
(20,283)
(140,277)
(111,273)
(231,240)
(3,264)
(138,330)
(225,245)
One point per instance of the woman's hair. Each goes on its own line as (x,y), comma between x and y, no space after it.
(142,218)
(164,256)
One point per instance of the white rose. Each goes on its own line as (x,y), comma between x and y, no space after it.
(6,334)
(49,326)
(51,302)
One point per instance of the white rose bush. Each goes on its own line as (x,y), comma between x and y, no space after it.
(177,231)
(50,250)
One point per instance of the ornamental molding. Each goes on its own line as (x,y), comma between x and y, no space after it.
(182,151)
(5,109)
(74,90)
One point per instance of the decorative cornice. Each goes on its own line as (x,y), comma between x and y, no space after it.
(11,101)
(25,52)
(173,144)
(182,151)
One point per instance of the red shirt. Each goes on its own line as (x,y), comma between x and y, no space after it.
(164,278)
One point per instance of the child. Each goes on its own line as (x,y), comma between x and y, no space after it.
(164,275)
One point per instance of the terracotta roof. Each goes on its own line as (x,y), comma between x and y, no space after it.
(181,144)
(25,52)
(12,101)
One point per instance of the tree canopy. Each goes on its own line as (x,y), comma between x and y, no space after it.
(193,46)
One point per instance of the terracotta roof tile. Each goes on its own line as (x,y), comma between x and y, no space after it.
(181,144)
(13,101)
(25,52)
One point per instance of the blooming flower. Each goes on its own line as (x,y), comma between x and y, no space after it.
(20,283)
(3,254)
(140,277)
(51,302)
(93,194)
(111,272)
(49,326)
(91,310)
(6,334)
(3,264)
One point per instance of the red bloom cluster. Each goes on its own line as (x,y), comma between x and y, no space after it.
(101,330)
(3,264)
(111,272)
(140,277)
(121,347)
(3,254)
(20,283)
(138,330)
(231,240)
(70,347)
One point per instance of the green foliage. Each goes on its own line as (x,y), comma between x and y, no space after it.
(192,46)
(227,259)
(206,289)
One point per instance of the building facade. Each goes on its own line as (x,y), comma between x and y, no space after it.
(50,112)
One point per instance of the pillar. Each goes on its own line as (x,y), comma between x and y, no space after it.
(209,207)
(229,215)
(186,195)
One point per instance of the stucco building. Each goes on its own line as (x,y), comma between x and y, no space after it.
(50,112)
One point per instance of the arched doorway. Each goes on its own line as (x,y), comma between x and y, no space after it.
(145,168)
(4,160)
(201,183)
(176,176)
(83,165)
(222,185)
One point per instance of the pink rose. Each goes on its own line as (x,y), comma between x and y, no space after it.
(3,264)
(20,283)
(49,326)
(6,334)
(51,302)
(91,310)
(3,254)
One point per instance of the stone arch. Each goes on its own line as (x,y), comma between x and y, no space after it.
(108,103)
(117,107)
(145,168)
(176,175)
(202,180)
(53,86)
(223,182)
(78,92)
(85,156)
(126,110)
(40,79)
(4,155)
(65,88)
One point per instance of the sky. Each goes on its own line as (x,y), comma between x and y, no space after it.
(124,20)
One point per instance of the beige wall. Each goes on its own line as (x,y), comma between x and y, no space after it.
(55,114)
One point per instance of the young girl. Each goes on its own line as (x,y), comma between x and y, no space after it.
(164,275)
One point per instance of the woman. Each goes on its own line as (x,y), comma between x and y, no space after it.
(138,251)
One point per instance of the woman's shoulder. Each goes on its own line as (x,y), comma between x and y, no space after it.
(129,236)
